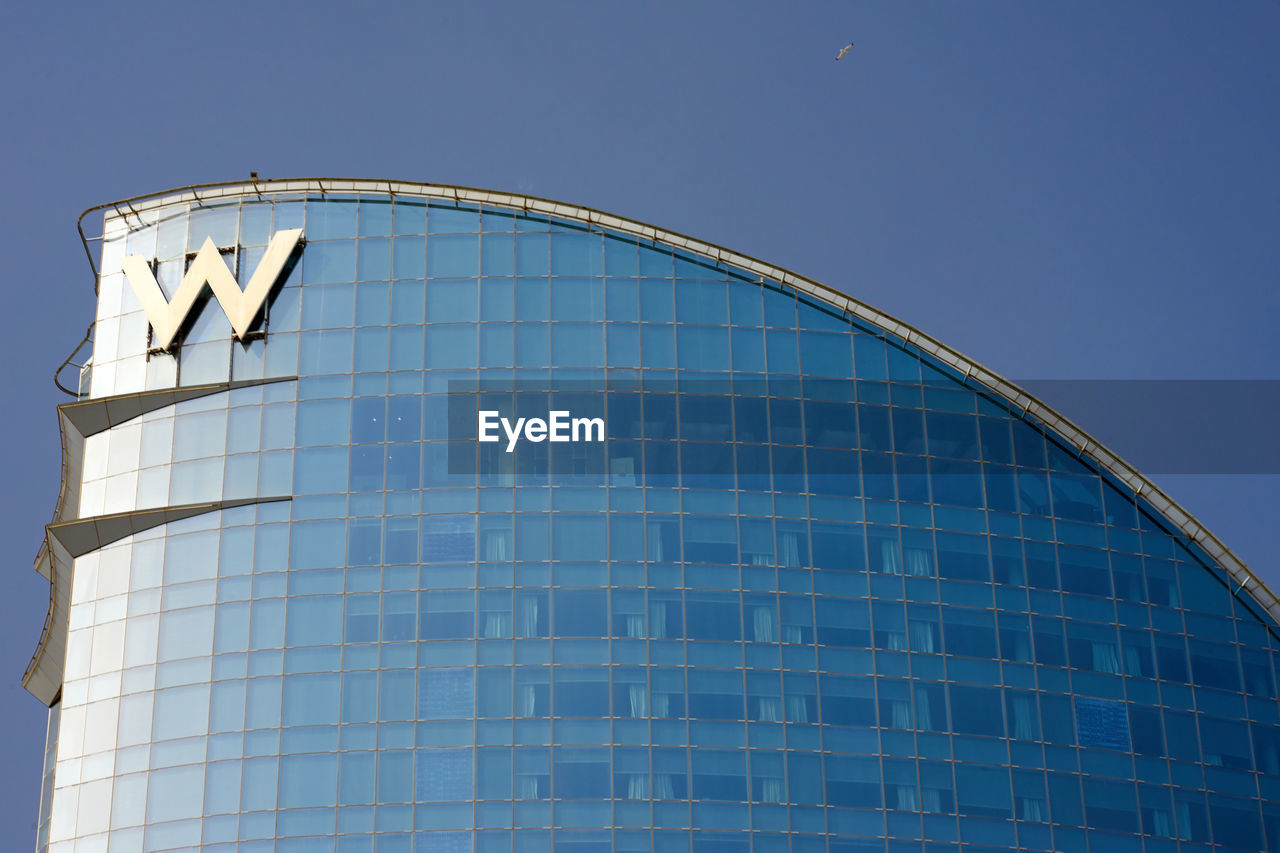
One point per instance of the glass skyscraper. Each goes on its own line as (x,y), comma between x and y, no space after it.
(826,585)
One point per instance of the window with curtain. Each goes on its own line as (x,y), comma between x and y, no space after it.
(800,697)
(917,553)
(895,703)
(531,615)
(901,792)
(768,781)
(791,545)
(922,628)
(495,614)
(662,539)
(937,791)
(532,774)
(666,692)
(1225,743)
(495,539)
(890,621)
(666,615)
(533,691)
(884,551)
(670,774)
(1093,647)
(1023,716)
(797,618)
(630,693)
(1155,807)
(756,538)
(1191,819)
(1136,654)
(930,706)
(630,774)
(764,696)
(760,618)
(1015,636)
(1029,801)
(628,614)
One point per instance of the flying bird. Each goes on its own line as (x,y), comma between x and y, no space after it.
(848,47)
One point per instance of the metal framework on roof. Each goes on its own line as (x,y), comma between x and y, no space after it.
(971,373)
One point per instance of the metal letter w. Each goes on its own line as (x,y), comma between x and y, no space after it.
(240,306)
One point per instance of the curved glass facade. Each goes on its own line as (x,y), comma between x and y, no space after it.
(814,592)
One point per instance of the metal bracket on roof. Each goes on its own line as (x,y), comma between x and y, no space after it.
(88,333)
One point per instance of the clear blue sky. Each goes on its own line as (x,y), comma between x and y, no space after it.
(1057,189)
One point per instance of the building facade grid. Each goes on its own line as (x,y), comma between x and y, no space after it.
(814,593)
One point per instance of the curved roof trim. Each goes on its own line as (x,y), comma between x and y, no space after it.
(972,372)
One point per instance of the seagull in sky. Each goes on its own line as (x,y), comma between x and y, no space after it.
(848,47)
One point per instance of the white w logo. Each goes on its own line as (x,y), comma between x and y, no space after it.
(240,306)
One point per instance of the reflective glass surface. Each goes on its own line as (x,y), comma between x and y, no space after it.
(814,592)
